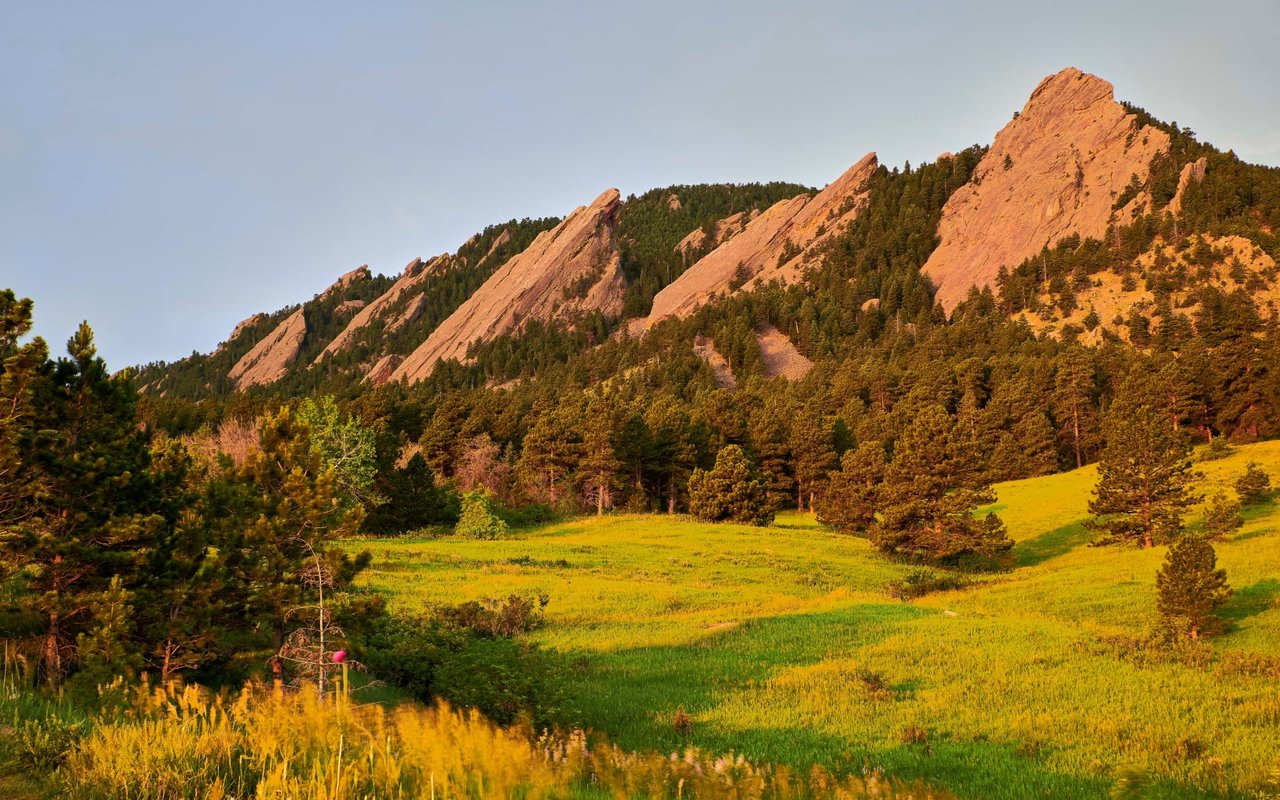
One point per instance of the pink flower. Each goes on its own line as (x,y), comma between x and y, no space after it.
(339,656)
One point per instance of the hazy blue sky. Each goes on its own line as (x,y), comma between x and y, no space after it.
(166,169)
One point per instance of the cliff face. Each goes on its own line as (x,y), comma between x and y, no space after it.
(410,282)
(776,245)
(1057,169)
(271,357)
(572,269)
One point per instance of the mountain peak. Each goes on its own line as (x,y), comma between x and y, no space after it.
(1055,170)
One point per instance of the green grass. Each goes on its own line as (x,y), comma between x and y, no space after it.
(783,645)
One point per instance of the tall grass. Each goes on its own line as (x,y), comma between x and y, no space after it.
(185,743)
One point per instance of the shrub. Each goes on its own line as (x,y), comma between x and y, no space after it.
(45,743)
(435,659)
(1222,518)
(1254,486)
(922,581)
(478,520)
(1218,448)
(733,490)
(497,619)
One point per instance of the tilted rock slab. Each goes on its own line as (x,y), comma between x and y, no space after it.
(411,279)
(1191,172)
(572,269)
(753,256)
(1055,170)
(270,358)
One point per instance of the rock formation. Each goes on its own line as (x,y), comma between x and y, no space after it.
(360,273)
(724,230)
(270,358)
(779,244)
(244,325)
(1057,169)
(381,372)
(572,269)
(388,307)
(1193,171)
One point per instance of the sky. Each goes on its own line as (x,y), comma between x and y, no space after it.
(168,169)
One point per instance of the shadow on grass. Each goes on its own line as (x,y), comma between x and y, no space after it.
(1252,600)
(1051,544)
(632,696)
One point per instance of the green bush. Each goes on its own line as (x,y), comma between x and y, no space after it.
(44,744)
(478,519)
(432,658)
(922,581)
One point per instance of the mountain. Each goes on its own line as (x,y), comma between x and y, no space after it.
(1059,168)
(1086,218)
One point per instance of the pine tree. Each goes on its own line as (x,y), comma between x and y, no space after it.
(1073,402)
(93,512)
(849,502)
(734,490)
(550,454)
(812,452)
(1254,485)
(1191,588)
(292,512)
(600,465)
(771,450)
(931,489)
(674,452)
(1222,518)
(1145,478)
(22,367)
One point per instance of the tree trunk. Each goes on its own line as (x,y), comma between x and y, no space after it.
(1075,432)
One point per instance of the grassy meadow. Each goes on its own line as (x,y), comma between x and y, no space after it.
(782,644)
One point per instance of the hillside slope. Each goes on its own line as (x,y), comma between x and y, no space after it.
(1025,684)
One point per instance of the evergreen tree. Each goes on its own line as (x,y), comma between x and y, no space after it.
(1254,485)
(600,465)
(674,452)
(1191,588)
(413,500)
(1145,478)
(1073,402)
(770,448)
(293,512)
(550,454)
(22,367)
(849,502)
(1222,518)
(734,490)
(812,451)
(91,513)
(931,489)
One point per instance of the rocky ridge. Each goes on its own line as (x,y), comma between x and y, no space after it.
(570,270)
(1057,169)
(779,244)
